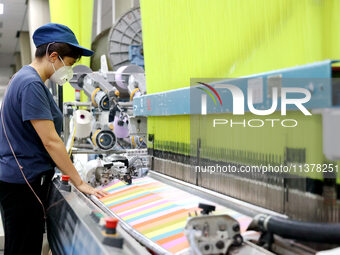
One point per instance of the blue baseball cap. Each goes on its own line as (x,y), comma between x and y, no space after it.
(54,32)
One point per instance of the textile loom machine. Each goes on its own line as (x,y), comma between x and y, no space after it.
(222,140)
(159,214)
(178,207)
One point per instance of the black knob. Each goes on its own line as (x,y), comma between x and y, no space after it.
(127,178)
(206,247)
(220,245)
(206,208)
(236,227)
(69,110)
(238,240)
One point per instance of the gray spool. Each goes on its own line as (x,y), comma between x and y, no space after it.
(127,31)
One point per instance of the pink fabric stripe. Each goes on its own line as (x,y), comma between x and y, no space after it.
(244,222)
(143,208)
(174,242)
(128,191)
(134,202)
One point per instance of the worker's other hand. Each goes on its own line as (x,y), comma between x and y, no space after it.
(87,189)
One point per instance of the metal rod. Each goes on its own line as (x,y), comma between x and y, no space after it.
(76,103)
(60,100)
(99,16)
(113,12)
(84,151)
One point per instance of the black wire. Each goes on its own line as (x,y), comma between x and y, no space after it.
(120,145)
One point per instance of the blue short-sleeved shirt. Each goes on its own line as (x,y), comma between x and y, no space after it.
(27,98)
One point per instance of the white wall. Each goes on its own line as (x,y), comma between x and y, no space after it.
(38,14)
(122,6)
(7,59)
(25,48)
(5,75)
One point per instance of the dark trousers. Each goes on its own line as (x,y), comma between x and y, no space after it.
(22,215)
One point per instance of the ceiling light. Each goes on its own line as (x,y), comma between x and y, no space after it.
(1,8)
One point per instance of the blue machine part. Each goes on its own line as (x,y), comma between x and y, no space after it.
(136,55)
(315,77)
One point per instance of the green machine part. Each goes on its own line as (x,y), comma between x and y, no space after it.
(219,38)
(77,15)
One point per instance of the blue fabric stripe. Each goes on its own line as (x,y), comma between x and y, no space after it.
(150,213)
(165,235)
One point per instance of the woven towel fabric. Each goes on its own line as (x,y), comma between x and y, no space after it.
(159,211)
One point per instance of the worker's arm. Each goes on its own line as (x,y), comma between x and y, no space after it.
(56,148)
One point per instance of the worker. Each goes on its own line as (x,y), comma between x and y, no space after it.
(30,143)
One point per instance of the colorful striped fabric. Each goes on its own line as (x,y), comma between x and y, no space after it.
(159,211)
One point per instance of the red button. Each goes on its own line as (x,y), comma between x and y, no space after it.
(111,222)
(65,178)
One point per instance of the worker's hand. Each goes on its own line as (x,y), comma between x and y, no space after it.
(87,189)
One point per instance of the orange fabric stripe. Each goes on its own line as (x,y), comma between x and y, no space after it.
(119,193)
(164,225)
(170,238)
(159,218)
(134,199)
(145,227)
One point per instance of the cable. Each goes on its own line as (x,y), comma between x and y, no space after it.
(120,145)
(10,146)
(298,230)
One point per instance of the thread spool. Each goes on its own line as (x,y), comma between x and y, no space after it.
(83,123)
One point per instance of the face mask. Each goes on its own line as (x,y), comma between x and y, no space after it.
(62,75)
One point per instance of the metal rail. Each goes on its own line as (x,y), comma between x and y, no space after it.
(229,202)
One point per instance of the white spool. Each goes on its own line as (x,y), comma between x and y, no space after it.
(83,121)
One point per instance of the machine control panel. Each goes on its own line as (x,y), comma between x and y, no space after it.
(212,234)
